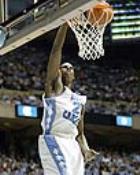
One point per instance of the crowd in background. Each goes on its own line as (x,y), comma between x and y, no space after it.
(17,165)
(107,163)
(115,163)
(111,90)
(25,70)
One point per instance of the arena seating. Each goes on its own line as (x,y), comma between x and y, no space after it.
(110,163)
(25,70)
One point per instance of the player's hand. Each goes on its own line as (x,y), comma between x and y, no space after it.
(90,155)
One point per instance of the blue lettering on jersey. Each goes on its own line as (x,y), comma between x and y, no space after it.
(66,114)
(74,115)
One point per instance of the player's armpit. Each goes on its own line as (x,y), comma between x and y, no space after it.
(48,88)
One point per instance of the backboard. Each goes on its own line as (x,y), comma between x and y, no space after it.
(39,18)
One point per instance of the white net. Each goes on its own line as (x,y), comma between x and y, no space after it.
(89,37)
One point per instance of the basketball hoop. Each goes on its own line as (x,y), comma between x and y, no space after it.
(89,33)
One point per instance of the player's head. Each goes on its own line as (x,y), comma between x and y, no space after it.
(68,75)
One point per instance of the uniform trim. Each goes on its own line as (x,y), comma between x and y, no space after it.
(50,114)
(56,153)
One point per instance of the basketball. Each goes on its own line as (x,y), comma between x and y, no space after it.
(100,14)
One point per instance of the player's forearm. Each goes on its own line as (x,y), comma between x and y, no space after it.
(55,56)
(59,39)
(83,143)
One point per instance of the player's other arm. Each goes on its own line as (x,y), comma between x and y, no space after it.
(54,60)
(89,154)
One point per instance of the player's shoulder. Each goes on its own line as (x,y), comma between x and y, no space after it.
(79,94)
(79,97)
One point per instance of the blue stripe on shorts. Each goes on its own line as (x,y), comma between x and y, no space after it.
(56,153)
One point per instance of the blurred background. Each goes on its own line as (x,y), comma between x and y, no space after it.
(111,83)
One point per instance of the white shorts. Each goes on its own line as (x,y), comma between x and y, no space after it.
(60,156)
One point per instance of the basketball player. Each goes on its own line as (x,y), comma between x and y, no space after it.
(62,147)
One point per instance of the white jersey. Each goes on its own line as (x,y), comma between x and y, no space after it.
(59,151)
(62,114)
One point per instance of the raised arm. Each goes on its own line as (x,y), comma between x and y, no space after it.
(55,59)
